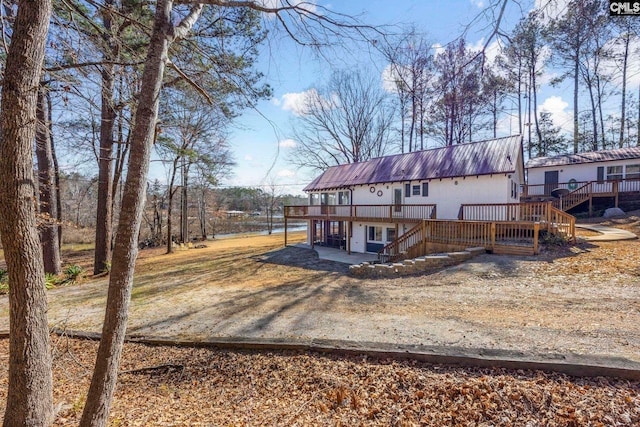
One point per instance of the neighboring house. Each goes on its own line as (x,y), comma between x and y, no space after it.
(363,206)
(605,173)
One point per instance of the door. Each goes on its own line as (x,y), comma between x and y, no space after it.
(397,200)
(550,181)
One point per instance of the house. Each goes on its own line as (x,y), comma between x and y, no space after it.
(605,174)
(362,206)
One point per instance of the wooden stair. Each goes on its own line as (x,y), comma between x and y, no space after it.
(574,198)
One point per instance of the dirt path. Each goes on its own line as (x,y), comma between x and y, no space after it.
(584,299)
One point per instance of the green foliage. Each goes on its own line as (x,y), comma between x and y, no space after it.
(551,239)
(72,272)
(4,281)
(107,267)
(51,280)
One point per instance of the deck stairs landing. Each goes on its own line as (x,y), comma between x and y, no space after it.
(574,198)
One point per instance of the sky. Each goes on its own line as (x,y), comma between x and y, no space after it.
(261,139)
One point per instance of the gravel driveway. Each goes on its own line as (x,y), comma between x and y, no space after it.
(583,300)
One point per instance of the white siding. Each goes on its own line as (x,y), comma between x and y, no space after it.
(579,172)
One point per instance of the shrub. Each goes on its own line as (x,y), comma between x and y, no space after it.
(72,272)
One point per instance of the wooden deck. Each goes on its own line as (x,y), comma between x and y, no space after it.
(580,192)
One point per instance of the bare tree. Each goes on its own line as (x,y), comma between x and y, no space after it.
(30,390)
(346,121)
(48,189)
(411,71)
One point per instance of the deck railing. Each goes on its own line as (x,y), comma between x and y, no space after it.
(379,213)
(551,218)
(503,236)
(605,188)
(574,198)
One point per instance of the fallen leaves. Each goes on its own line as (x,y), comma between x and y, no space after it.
(177,386)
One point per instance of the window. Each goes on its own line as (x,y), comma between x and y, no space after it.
(314,199)
(391,234)
(425,189)
(415,190)
(614,172)
(343,198)
(514,190)
(632,172)
(407,190)
(375,234)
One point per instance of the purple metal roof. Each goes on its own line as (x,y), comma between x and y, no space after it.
(477,158)
(590,157)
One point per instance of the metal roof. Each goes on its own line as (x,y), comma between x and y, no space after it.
(590,157)
(492,156)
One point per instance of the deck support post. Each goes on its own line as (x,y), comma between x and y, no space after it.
(424,237)
(348,224)
(313,233)
(285,230)
(590,206)
(615,192)
(493,235)
(536,233)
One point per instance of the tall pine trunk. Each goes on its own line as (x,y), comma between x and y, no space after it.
(48,206)
(623,104)
(105,374)
(575,102)
(104,211)
(30,390)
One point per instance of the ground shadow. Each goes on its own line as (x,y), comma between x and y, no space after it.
(301,257)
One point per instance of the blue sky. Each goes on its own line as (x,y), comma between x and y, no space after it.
(260,140)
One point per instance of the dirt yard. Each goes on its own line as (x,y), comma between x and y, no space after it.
(583,299)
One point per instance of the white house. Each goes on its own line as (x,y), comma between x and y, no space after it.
(362,206)
(602,168)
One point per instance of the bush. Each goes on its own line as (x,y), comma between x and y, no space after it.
(72,272)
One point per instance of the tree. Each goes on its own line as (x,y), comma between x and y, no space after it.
(568,34)
(30,390)
(299,21)
(459,91)
(346,121)
(411,72)
(193,134)
(48,185)
(628,28)
(553,142)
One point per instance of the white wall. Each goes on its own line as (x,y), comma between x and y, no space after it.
(579,172)
(448,194)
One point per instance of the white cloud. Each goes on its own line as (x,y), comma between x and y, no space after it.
(248,158)
(437,49)
(557,107)
(491,52)
(296,102)
(477,3)
(286,173)
(287,143)
(276,102)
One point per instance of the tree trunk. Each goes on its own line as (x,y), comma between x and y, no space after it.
(48,206)
(30,389)
(624,89)
(594,144)
(104,212)
(575,103)
(541,146)
(56,168)
(125,251)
